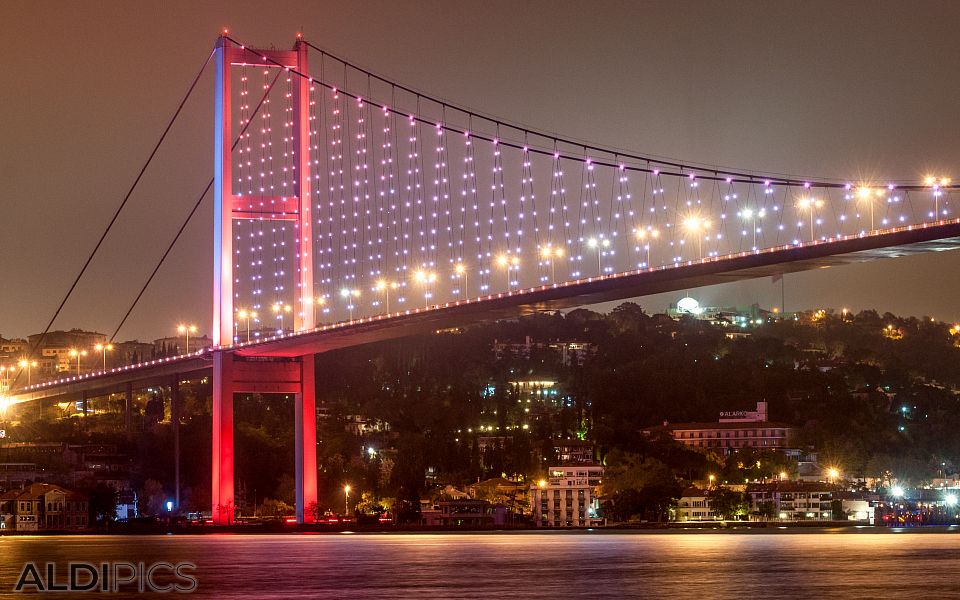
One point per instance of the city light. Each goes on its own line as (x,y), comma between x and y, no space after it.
(950,499)
(896,491)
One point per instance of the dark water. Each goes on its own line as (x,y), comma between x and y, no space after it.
(529,564)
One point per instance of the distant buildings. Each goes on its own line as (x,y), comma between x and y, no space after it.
(734,430)
(465,513)
(569,352)
(731,316)
(568,497)
(75,350)
(42,506)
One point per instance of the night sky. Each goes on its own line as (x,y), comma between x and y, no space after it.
(850,90)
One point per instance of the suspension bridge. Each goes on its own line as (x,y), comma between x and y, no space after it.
(350,209)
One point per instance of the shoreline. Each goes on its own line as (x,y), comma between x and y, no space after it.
(253,531)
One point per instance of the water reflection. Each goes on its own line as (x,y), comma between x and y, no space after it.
(529,564)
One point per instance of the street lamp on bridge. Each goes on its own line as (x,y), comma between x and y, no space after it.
(348,295)
(425,278)
(550,254)
(751,215)
(509,263)
(811,204)
(77,353)
(246,315)
(460,270)
(646,237)
(280,309)
(103,349)
(937,184)
(384,286)
(28,365)
(186,330)
(697,226)
(600,245)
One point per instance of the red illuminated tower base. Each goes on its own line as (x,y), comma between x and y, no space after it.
(232,374)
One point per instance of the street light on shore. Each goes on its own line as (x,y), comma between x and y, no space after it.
(346,499)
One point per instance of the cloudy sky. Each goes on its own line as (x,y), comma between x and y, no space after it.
(851,90)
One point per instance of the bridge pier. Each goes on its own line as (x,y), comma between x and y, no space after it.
(175,421)
(305,415)
(259,375)
(222,484)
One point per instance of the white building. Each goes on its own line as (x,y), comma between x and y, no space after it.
(568,497)
(694,505)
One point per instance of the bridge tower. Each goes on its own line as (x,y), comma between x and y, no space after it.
(230,374)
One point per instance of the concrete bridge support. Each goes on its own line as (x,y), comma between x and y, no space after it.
(232,375)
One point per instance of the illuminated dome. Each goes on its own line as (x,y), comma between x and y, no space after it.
(688,305)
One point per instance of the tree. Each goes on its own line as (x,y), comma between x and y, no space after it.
(152,497)
(315,511)
(102,503)
(275,508)
(727,504)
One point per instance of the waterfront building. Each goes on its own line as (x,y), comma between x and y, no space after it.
(694,505)
(567,497)
(43,506)
(807,501)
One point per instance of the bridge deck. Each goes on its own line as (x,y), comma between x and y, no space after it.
(905,241)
